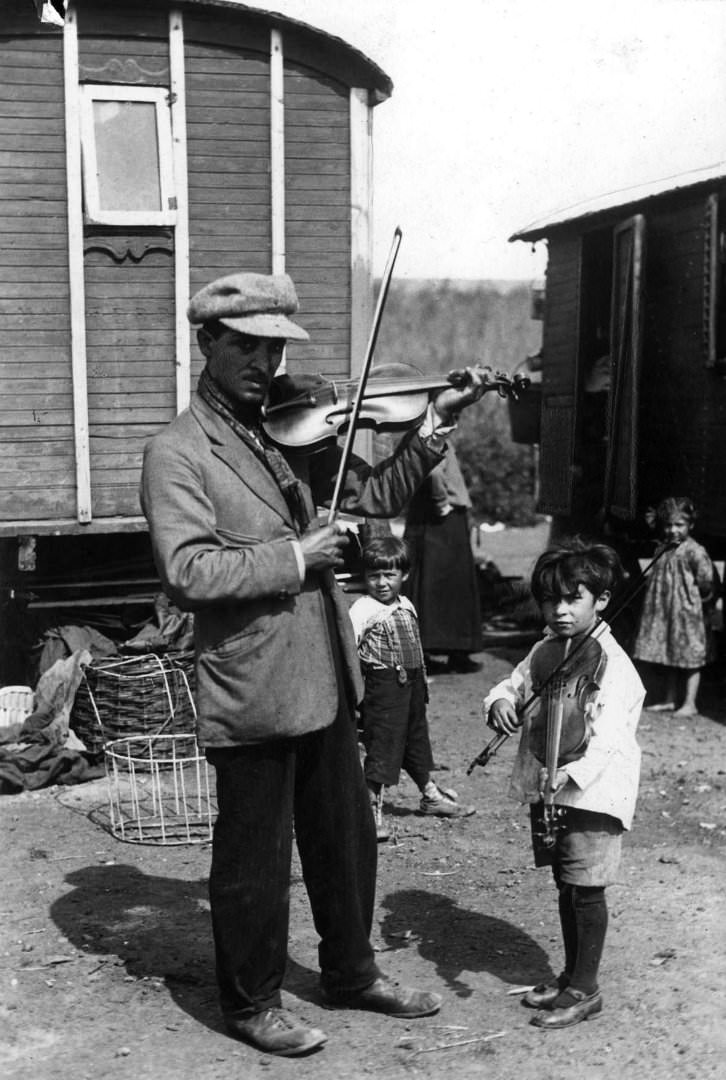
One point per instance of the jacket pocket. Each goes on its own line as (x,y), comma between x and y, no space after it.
(237,643)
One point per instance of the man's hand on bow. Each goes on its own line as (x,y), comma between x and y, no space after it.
(322,548)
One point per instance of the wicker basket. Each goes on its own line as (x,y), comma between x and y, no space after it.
(139,695)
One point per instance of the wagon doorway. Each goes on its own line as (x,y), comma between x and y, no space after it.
(593,374)
(609,362)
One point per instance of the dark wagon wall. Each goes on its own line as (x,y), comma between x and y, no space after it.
(679,391)
(682,399)
(37,466)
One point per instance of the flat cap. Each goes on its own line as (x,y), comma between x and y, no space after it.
(256,304)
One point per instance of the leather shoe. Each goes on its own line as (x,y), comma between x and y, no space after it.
(384,995)
(543,996)
(444,804)
(275,1032)
(583,1007)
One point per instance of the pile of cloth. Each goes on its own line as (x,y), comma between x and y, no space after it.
(43,749)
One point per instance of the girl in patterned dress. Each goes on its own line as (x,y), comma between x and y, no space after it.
(674,627)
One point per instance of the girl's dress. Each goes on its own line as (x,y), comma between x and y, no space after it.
(673,629)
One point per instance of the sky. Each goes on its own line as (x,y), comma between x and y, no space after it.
(505,110)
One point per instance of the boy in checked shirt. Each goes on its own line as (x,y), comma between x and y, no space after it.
(395,727)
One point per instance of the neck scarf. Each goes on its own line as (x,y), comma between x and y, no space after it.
(256,441)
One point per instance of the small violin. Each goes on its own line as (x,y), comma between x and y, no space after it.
(568,693)
(560,729)
(307,412)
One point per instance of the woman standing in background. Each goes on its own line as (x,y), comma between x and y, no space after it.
(443,582)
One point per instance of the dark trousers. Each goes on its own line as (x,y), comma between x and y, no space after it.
(395,727)
(316,782)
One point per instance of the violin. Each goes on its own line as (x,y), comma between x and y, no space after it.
(568,693)
(306,413)
(565,681)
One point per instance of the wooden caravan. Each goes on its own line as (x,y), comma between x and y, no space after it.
(146,148)
(634,355)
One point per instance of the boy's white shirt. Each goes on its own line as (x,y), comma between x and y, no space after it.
(367,611)
(605,779)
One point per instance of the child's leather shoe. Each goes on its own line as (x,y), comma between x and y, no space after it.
(543,996)
(576,1006)
(444,803)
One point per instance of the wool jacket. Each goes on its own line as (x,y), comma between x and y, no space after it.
(222,536)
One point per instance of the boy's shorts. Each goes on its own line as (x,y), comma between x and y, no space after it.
(587,846)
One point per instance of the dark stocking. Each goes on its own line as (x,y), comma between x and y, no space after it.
(591,914)
(591,922)
(568,923)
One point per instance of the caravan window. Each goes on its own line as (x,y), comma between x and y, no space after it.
(127,155)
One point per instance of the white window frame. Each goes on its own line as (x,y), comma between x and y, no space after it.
(157,95)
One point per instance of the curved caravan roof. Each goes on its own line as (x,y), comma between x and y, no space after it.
(361,70)
(351,65)
(615,200)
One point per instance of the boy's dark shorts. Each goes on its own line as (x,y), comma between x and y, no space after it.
(587,846)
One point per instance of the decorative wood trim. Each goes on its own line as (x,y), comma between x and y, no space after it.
(124,245)
(181,232)
(361,233)
(277,151)
(361,240)
(75,265)
(126,71)
(277,160)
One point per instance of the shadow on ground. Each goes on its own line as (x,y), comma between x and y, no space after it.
(457,940)
(158,928)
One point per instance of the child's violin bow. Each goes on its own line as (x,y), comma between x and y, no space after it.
(493,745)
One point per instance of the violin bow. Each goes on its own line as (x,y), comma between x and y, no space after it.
(367,360)
(493,745)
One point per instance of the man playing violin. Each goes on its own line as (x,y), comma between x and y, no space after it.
(232,523)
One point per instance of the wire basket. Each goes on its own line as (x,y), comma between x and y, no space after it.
(137,695)
(159,791)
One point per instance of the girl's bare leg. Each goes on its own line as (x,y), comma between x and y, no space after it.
(693,681)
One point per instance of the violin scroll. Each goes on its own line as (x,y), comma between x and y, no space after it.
(505,385)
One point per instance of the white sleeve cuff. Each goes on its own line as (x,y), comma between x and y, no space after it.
(432,430)
(299,559)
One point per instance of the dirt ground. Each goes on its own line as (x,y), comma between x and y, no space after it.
(107,963)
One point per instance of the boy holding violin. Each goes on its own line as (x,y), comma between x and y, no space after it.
(577,698)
